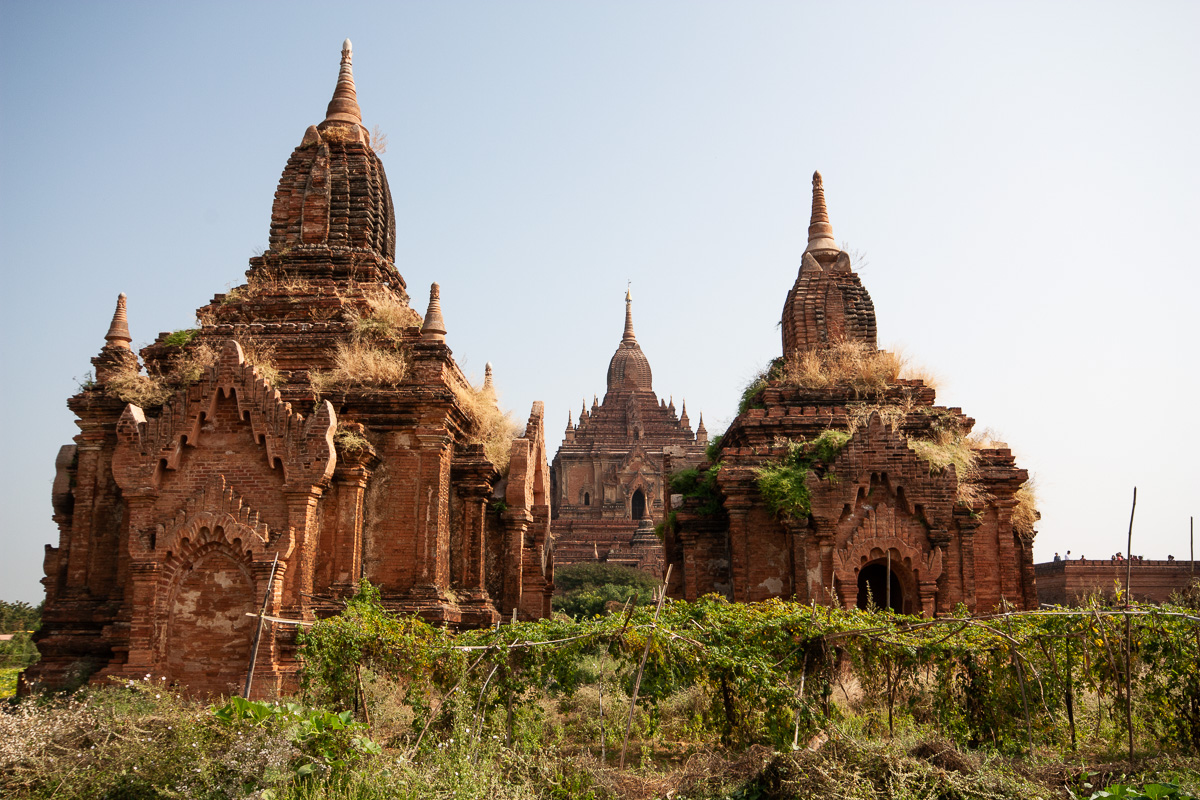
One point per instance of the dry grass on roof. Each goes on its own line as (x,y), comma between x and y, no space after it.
(385,319)
(1025,515)
(146,391)
(863,368)
(494,428)
(359,363)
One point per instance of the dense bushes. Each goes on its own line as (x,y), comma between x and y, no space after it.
(589,588)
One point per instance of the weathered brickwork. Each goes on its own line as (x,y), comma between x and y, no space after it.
(1065,583)
(879,514)
(173,513)
(608,475)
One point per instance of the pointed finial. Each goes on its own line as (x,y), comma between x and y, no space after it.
(118,329)
(820,232)
(628,335)
(570,421)
(434,329)
(344,105)
(701,431)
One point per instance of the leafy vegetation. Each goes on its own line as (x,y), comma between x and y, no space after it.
(700,485)
(588,588)
(19,621)
(759,700)
(784,486)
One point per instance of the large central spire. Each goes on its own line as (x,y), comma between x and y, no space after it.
(629,367)
(628,335)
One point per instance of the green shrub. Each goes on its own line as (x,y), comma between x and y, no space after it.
(699,484)
(784,486)
(180,338)
(587,588)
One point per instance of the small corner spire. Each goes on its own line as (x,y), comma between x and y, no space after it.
(344,105)
(628,335)
(434,328)
(118,329)
(820,232)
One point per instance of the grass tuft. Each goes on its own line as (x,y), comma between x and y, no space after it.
(846,364)
(359,363)
(1025,514)
(494,428)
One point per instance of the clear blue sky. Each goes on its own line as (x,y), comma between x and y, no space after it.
(1023,178)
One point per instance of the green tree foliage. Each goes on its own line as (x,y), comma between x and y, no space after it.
(588,588)
(21,621)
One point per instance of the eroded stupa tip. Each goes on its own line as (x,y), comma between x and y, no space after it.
(434,327)
(820,232)
(344,105)
(118,329)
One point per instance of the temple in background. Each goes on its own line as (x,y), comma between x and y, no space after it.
(608,479)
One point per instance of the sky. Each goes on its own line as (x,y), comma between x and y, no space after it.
(1020,180)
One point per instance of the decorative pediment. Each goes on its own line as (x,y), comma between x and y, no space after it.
(302,447)
(862,550)
(877,458)
(216,512)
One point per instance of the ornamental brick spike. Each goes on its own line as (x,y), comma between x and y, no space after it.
(820,232)
(344,105)
(118,329)
(434,328)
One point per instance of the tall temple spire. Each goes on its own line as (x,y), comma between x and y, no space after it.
(820,232)
(344,105)
(628,335)
(118,329)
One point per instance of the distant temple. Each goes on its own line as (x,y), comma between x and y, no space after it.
(608,477)
(312,432)
(839,487)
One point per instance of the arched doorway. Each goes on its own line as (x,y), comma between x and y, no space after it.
(873,587)
(639,504)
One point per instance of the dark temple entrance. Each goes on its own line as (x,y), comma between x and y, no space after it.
(873,587)
(639,504)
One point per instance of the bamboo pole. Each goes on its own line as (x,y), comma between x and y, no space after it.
(642,666)
(262,618)
(1128,623)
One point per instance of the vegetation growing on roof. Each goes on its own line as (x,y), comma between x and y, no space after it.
(494,428)
(699,484)
(784,486)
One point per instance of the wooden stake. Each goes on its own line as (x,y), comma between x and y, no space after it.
(637,684)
(258,632)
(1128,636)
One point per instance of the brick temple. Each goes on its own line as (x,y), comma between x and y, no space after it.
(880,523)
(312,432)
(607,479)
